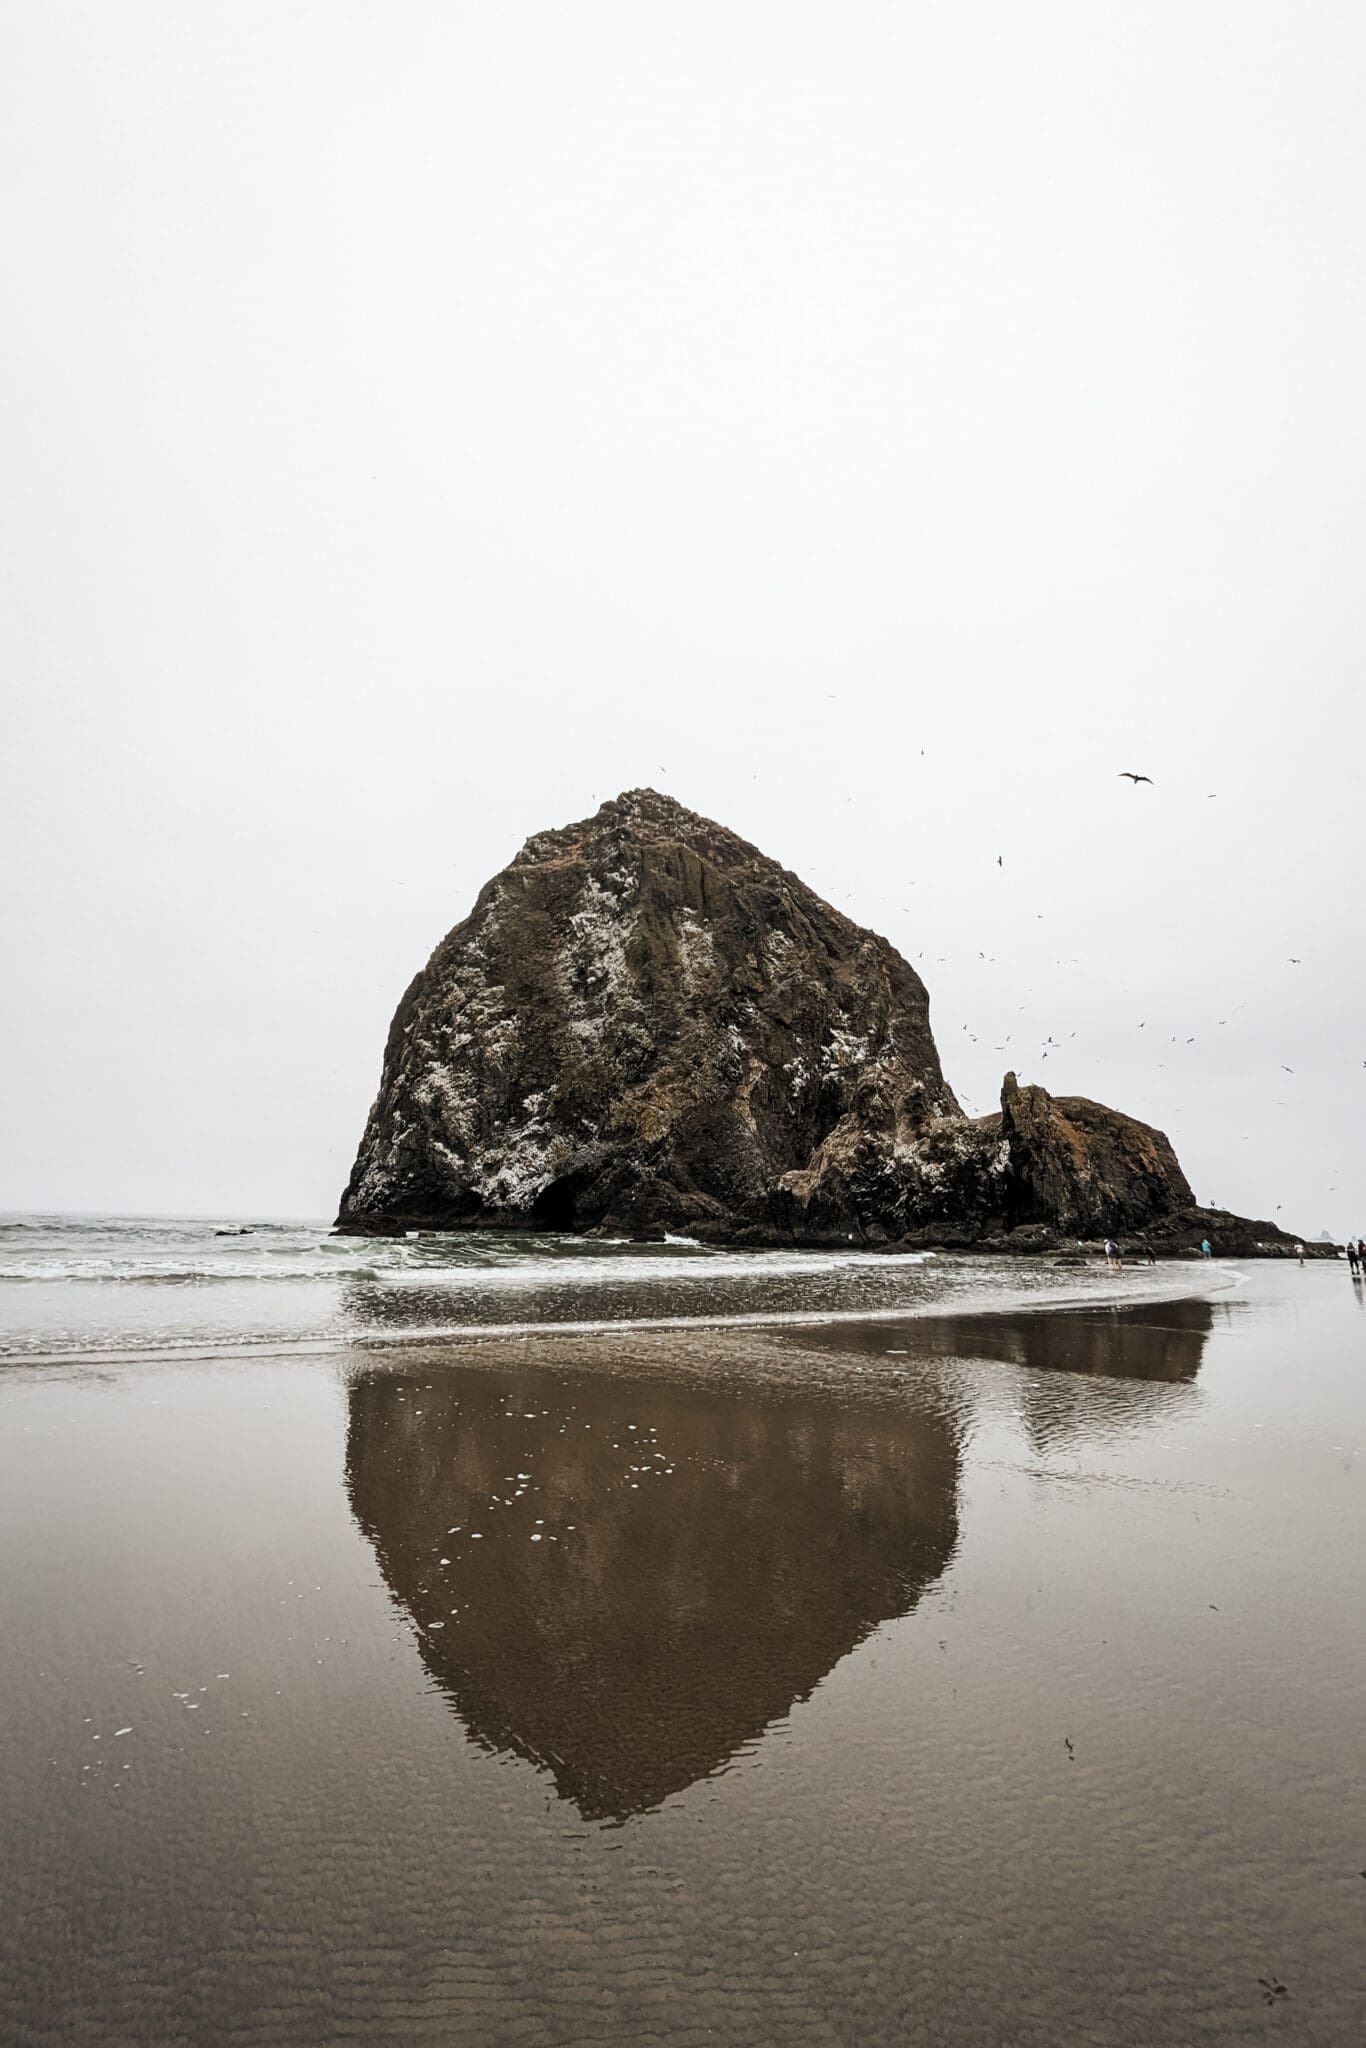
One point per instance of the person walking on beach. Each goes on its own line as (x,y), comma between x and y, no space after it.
(1206,1248)
(1299,1253)
(1353,1258)
(1111,1252)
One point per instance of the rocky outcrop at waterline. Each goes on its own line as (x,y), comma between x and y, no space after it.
(645,1024)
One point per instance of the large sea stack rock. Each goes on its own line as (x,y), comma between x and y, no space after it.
(643,1021)
(645,1024)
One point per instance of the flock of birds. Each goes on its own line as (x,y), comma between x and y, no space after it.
(1053,1044)
(1050,1044)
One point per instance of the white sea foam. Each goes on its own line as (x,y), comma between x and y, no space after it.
(477,1261)
(173,1269)
(709,1269)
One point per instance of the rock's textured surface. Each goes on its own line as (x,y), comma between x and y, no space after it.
(643,1019)
(645,1024)
(1083,1169)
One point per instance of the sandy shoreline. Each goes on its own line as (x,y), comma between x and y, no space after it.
(495,1689)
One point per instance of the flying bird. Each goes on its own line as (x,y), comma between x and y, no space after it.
(1285,1069)
(1127,774)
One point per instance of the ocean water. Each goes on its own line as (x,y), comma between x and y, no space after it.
(690,1649)
(116,1284)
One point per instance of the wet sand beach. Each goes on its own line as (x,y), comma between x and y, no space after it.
(986,1677)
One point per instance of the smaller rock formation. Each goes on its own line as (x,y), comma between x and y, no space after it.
(1085,1170)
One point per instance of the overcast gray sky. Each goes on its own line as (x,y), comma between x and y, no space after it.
(876,425)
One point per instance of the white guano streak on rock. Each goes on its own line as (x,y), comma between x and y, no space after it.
(696,952)
(593,965)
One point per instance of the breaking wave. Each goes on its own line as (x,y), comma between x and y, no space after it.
(186,1253)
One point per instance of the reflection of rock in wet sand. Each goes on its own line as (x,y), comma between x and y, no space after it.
(1155,1341)
(629,1605)
(1155,1348)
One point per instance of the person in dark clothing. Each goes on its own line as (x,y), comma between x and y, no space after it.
(1353,1257)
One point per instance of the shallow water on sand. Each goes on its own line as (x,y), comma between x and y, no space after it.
(985,1678)
(120,1284)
